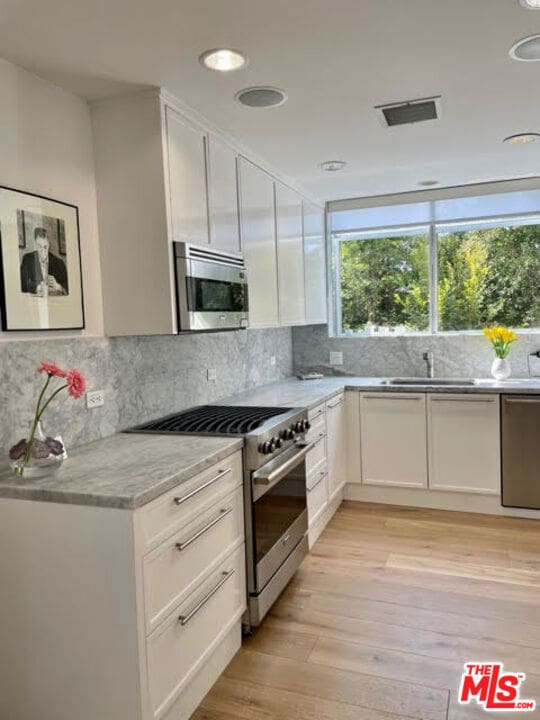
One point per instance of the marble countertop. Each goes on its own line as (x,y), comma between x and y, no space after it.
(309,393)
(123,470)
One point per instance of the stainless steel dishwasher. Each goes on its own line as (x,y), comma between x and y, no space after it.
(521,451)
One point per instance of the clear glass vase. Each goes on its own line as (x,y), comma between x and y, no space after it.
(501,369)
(44,457)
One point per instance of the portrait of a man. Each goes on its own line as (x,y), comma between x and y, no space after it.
(42,272)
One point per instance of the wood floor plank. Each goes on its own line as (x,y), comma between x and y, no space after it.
(251,701)
(380,618)
(286,619)
(329,683)
(451,623)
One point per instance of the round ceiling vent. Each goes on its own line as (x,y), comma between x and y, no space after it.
(526,50)
(261,97)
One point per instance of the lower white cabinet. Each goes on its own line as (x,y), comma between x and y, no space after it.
(113,614)
(464,443)
(336,444)
(393,439)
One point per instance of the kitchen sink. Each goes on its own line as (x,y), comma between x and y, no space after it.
(436,382)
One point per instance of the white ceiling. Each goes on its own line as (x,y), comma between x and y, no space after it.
(336,59)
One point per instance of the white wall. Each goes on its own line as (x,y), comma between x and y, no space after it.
(46,148)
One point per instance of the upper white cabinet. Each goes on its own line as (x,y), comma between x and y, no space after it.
(290,256)
(186,160)
(314,264)
(393,439)
(222,195)
(464,443)
(258,233)
(162,177)
(336,444)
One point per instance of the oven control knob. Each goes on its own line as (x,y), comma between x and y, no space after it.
(291,433)
(307,424)
(299,427)
(266,448)
(279,442)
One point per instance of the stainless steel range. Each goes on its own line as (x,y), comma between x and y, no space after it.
(274,489)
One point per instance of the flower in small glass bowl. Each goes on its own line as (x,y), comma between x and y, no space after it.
(501,339)
(39,454)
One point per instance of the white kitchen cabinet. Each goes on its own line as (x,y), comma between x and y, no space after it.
(290,255)
(314,264)
(186,160)
(336,444)
(464,443)
(393,439)
(258,234)
(222,195)
(124,614)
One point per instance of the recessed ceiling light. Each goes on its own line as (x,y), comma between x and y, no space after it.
(522,138)
(527,49)
(427,183)
(530,4)
(261,97)
(223,59)
(333,165)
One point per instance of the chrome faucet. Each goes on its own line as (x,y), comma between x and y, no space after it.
(430,363)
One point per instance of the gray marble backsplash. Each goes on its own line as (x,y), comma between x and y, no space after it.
(456,356)
(143,377)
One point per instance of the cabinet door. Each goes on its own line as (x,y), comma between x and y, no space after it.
(258,233)
(464,443)
(393,439)
(222,196)
(290,256)
(187,180)
(314,264)
(336,444)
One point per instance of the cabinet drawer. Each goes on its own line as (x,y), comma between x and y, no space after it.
(177,649)
(317,495)
(181,505)
(174,569)
(317,454)
(316,412)
(317,429)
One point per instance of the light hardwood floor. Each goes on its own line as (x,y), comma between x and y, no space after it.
(381,617)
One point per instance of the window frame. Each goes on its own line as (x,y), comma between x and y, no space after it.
(433,230)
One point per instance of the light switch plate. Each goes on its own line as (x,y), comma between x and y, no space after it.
(211,374)
(336,358)
(272,360)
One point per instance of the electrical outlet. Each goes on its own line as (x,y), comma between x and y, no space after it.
(336,358)
(272,360)
(211,374)
(94,399)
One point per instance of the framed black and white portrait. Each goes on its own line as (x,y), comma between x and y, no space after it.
(41,280)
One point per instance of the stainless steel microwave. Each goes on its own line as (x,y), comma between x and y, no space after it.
(211,288)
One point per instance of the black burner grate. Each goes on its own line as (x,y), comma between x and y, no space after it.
(219,419)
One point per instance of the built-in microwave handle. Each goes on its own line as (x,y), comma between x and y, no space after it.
(263,477)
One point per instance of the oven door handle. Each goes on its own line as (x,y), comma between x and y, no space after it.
(262,477)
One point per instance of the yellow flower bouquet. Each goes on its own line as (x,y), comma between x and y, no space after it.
(501,340)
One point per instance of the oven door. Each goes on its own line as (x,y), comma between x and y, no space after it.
(279,511)
(216,296)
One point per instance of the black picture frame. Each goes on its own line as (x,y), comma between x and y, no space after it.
(23,295)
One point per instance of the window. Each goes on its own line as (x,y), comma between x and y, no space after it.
(385,282)
(438,277)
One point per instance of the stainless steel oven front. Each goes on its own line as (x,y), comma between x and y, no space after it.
(276,526)
(211,288)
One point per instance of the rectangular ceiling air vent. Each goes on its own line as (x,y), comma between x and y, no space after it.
(410,111)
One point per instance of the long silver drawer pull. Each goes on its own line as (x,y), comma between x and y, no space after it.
(403,396)
(222,514)
(319,481)
(520,401)
(221,473)
(460,399)
(184,619)
(339,402)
